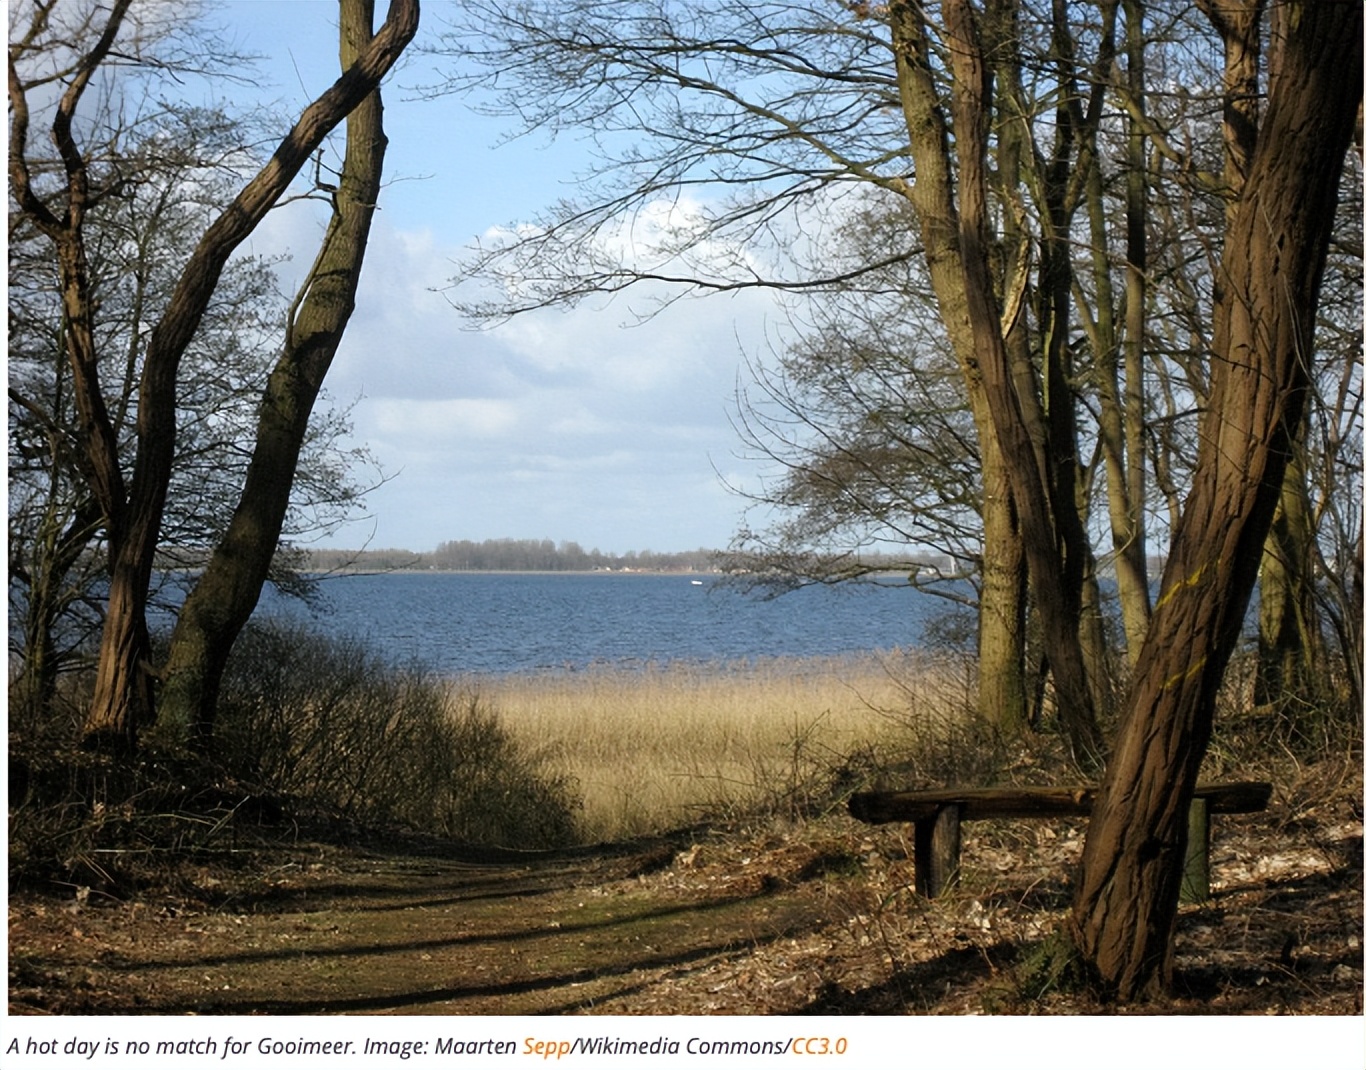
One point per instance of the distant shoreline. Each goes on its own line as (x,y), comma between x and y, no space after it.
(509,556)
(436,571)
(546,557)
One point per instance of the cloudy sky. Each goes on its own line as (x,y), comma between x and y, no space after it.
(569,425)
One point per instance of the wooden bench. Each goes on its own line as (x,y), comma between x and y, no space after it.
(938,816)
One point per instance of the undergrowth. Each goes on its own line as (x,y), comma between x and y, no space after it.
(313,736)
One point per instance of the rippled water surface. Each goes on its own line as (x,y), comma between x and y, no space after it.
(516,622)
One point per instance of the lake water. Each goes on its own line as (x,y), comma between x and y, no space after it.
(460,623)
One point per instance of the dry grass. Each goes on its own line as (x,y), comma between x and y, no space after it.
(671,745)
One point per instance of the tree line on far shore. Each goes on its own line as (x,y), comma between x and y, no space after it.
(514,555)
(546,555)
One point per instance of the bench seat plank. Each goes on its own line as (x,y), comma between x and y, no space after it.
(938,815)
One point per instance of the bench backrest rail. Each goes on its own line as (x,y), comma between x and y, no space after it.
(976,804)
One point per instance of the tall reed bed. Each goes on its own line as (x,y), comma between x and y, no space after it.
(667,745)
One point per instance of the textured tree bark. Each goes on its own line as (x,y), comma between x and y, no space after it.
(1239,25)
(1124,912)
(226,594)
(1003,697)
(1036,455)
(124,699)
(1289,636)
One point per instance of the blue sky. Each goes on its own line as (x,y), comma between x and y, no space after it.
(562,425)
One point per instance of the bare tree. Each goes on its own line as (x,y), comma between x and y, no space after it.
(227,592)
(1082,356)
(863,412)
(173,165)
(1025,414)
(780,106)
(1272,265)
(132,508)
(1333,457)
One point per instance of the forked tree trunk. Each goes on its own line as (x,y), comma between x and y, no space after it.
(226,594)
(1004,695)
(1125,908)
(123,701)
(125,648)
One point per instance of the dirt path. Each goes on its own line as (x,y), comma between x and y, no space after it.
(356,932)
(818,918)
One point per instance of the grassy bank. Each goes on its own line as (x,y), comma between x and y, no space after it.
(670,745)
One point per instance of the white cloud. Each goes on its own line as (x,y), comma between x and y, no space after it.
(584,424)
(442,421)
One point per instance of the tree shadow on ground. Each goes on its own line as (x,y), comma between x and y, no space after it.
(917,989)
(600,969)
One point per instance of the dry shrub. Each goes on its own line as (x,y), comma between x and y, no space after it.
(82,818)
(309,729)
(1275,741)
(327,724)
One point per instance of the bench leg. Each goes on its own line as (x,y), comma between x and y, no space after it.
(1195,878)
(938,841)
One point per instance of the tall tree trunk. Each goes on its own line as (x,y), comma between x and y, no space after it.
(1122,417)
(1095,642)
(1043,491)
(1289,635)
(226,594)
(1125,908)
(1131,540)
(1002,694)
